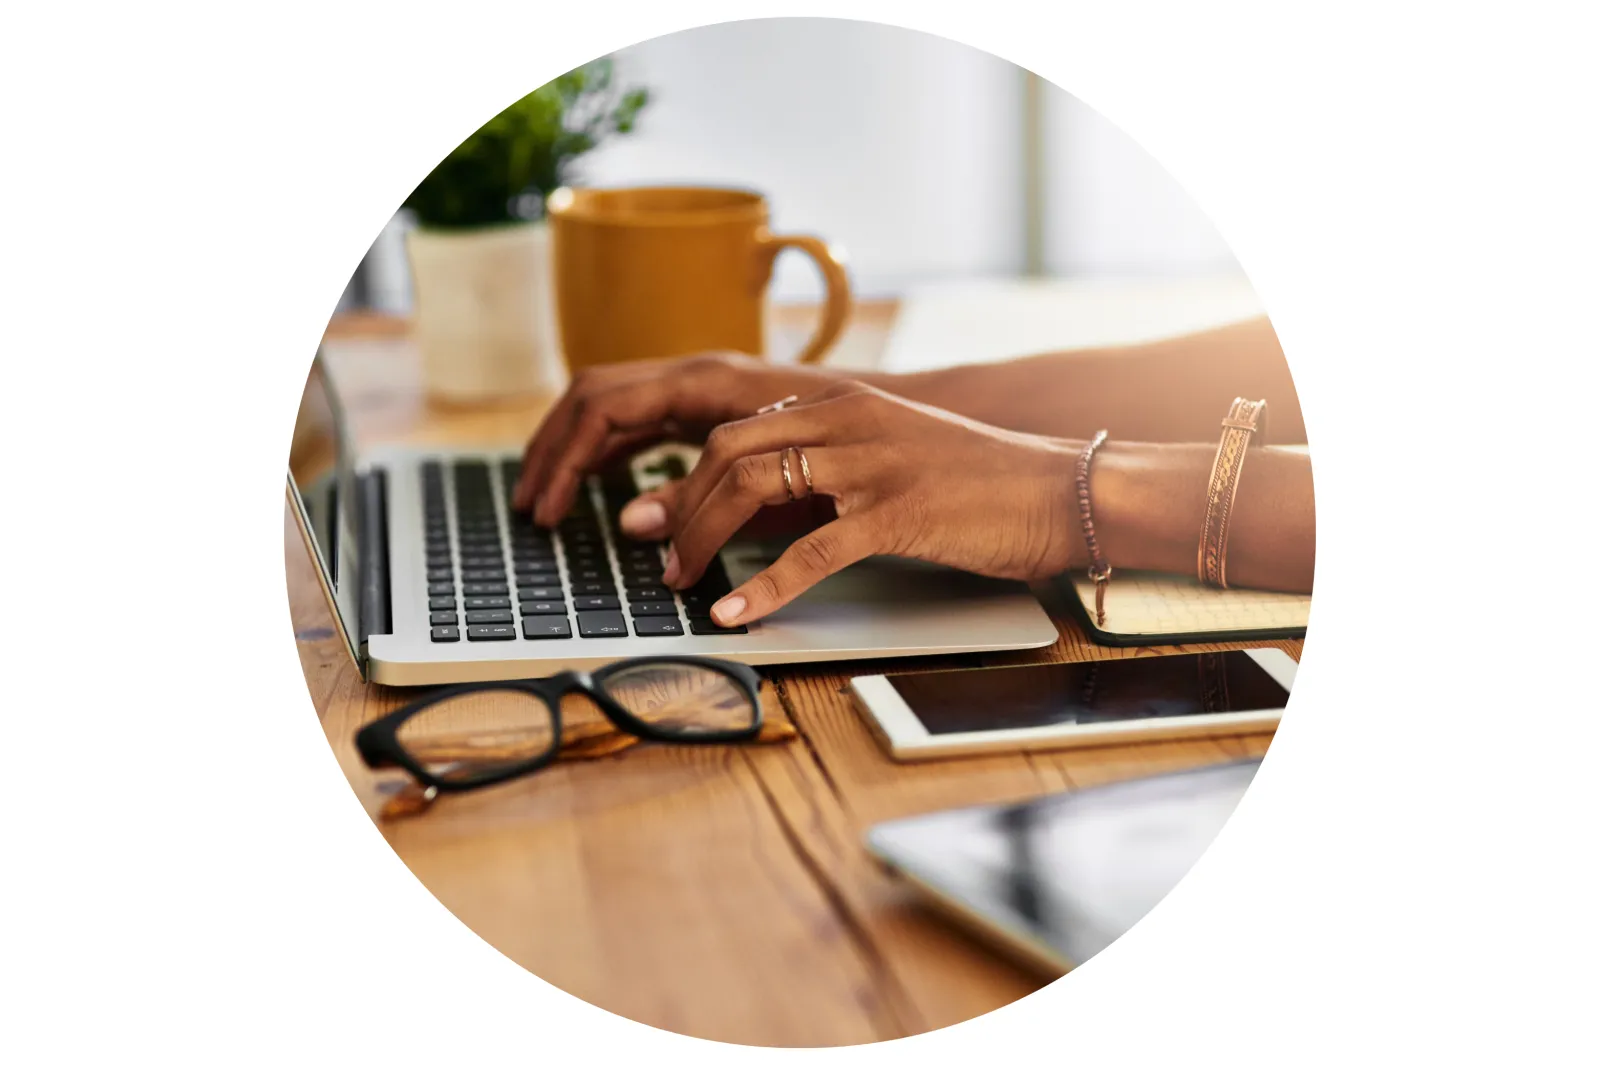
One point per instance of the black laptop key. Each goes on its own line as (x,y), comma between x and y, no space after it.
(648,566)
(651,593)
(481,574)
(532,607)
(446,634)
(438,560)
(491,632)
(532,561)
(547,628)
(650,610)
(697,610)
(489,617)
(529,592)
(527,532)
(593,588)
(658,626)
(714,582)
(709,584)
(487,602)
(602,623)
(538,580)
(595,602)
(641,580)
(589,573)
(484,588)
(441,588)
(701,602)
(707,627)
(443,617)
(442,602)
(440,573)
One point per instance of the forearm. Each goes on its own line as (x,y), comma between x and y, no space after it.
(1168,390)
(1149,502)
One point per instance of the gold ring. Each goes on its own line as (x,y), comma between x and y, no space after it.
(782,403)
(805,472)
(788,480)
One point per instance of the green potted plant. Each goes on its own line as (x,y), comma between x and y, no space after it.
(480,253)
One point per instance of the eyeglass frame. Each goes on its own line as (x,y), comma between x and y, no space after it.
(379,744)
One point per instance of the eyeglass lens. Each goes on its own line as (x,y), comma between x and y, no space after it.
(682,697)
(478,734)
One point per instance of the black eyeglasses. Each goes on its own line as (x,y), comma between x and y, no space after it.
(472,735)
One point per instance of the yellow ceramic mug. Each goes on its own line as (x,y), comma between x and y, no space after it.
(648,273)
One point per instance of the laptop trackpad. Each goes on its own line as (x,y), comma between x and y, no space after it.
(878,585)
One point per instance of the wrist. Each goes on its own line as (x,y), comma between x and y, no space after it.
(1062,545)
(955,389)
(1149,503)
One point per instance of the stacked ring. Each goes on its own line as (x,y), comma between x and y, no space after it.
(788,477)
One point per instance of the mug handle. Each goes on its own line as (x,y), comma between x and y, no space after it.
(836,311)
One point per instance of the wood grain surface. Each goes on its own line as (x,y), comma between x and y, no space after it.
(720,892)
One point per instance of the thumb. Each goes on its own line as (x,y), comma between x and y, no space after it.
(646,517)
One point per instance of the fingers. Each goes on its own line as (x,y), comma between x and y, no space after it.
(550,439)
(536,454)
(750,483)
(807,561)
(646,516)
(820,421)
(596,426)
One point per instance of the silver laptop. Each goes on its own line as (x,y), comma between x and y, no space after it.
(432,579)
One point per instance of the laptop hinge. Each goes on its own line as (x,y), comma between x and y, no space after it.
(374,557)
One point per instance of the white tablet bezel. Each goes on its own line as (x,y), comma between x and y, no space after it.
(902,734)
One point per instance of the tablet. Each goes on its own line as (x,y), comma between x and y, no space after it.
(1147,697)
(1053,882)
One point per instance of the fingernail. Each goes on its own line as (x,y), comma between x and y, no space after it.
(643,517)
(728,610)
(669,573)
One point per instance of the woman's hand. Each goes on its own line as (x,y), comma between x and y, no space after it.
(904,479)
(612,411)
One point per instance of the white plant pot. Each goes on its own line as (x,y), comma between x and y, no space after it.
(485,319)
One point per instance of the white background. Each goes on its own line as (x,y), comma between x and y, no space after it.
(1411,188)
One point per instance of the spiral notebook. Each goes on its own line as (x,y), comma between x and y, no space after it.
(1157,608)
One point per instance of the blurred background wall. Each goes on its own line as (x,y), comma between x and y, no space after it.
(925,159)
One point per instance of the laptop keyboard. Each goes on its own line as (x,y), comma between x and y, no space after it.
(585,579)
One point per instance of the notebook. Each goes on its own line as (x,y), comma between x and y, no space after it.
(1156,608)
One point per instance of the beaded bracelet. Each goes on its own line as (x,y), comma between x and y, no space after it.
(1099,571)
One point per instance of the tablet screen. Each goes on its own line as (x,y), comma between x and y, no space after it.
(1124,689)
(1069,873)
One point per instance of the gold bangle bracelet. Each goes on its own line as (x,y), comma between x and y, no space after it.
(1246,424)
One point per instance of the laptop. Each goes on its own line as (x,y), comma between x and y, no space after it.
(431,578)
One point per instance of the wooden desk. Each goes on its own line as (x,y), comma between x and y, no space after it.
(721,893)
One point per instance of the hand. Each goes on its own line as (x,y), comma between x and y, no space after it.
(904,479)
(612,411)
